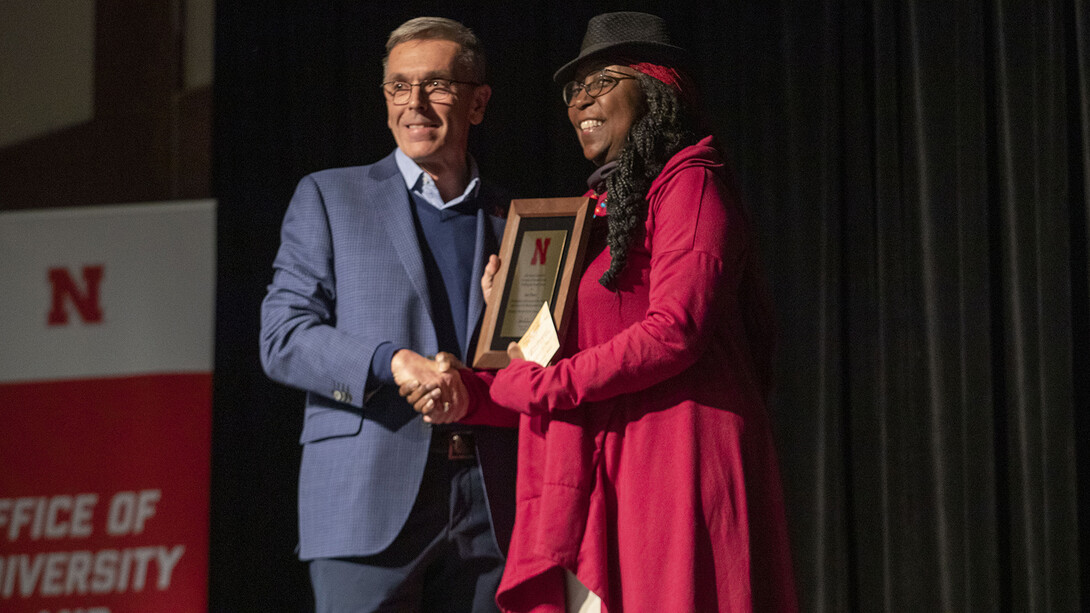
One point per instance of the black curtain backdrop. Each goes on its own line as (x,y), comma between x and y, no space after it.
(918,172)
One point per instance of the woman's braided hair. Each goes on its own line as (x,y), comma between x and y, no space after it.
(665,129)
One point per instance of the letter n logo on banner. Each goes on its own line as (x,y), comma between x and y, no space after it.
(85,300)
(541,250)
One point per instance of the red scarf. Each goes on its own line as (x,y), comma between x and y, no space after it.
(679,81)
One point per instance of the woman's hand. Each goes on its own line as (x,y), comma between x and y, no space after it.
(514,351)
(447,361)
(489,277)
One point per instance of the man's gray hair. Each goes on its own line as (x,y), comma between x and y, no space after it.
(471,59)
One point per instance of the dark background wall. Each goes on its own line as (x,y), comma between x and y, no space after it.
(149,134)
(918,175)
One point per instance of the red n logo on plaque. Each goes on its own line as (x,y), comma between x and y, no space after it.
(541,251)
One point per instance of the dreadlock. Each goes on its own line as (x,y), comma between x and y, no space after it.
(664,129)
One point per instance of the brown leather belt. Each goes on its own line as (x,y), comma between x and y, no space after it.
(455,444)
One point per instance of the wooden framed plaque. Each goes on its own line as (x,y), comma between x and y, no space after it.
(541,257)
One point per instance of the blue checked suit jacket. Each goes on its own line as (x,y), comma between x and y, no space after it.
(349,274)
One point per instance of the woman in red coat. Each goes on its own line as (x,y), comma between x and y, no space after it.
(647,473)
(646,463)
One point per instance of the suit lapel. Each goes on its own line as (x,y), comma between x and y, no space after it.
(489,231)
(476,299)
(396,215)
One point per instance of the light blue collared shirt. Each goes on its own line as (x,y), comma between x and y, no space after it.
(421,185)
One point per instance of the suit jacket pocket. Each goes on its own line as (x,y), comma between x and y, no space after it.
(320,423)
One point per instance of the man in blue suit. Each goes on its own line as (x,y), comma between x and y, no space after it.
(378,267)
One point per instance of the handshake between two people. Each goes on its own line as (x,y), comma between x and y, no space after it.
(434,387)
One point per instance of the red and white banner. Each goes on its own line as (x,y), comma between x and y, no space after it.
(106,340)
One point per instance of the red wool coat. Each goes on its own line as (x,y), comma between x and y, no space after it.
(646,464)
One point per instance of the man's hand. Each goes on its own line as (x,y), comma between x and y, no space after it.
(489,277)
(433,388)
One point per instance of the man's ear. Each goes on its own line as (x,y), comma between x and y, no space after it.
(480,101)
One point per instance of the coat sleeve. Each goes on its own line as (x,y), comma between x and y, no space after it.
(697,244)
(483,411)
(300,345)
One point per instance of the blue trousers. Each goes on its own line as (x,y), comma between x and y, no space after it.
(445,559)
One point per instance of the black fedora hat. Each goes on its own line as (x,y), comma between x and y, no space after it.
(636,36)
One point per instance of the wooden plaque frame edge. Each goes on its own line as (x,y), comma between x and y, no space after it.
(577,207)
